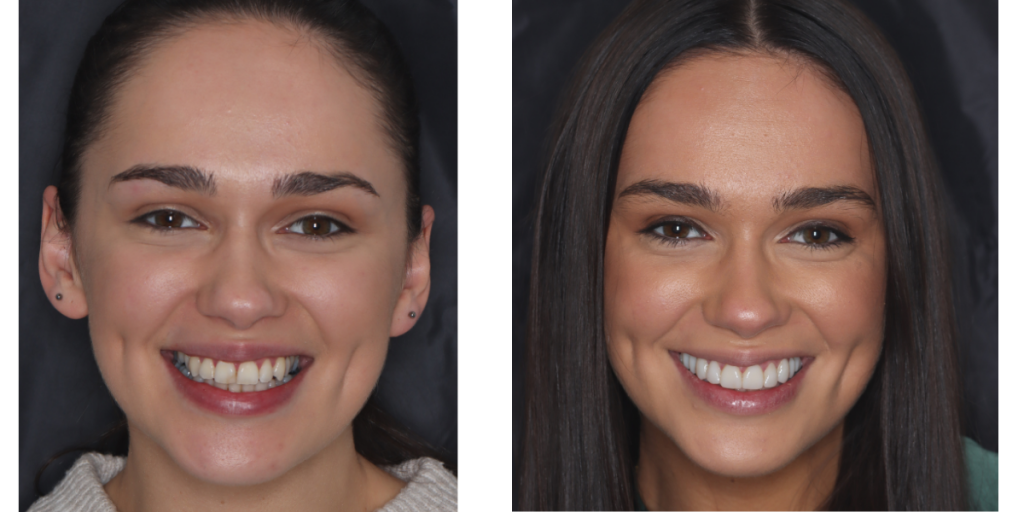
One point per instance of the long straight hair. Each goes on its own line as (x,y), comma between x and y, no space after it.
(901,440)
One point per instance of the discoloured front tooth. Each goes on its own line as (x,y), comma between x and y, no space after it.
(193,366)
(702,369)
(279,368)
(225,373)
(753,378)
(714,372)
(783,371)
(248,373)
(207,370)
(731,378)
(771,376)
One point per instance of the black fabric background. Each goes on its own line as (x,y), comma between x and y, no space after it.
(63,401)
(950,51)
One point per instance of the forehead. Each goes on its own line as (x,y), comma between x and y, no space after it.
(747,125)
(248,101)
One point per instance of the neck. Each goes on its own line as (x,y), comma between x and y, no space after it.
(336,478)
(668,480)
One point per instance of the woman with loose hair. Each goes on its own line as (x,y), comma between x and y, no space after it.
(238,216)
(740,290)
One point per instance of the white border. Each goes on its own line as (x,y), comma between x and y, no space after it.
(1011,272)
(485,255)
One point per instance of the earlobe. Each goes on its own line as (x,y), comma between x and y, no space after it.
(417,280)
(57,271)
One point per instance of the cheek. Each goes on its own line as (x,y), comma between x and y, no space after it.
(645,297)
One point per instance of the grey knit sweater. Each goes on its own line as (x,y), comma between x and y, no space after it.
(429,487)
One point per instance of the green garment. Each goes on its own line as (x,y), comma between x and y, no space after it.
(982,477)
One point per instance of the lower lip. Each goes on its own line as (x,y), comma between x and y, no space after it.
(224,402)
(743,403)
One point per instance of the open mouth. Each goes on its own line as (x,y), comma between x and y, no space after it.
(762,376)
(238,377)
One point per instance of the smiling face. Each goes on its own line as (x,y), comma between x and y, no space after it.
(743,233)
(243,204)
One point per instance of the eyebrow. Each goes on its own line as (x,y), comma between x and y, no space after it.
(798,199)
(310,183)
(682,193)
(812,197)
(179,176)
(189,178)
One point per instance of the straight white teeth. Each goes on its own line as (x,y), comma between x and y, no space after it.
(742,379)
(244,377)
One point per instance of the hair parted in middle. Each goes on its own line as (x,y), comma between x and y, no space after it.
(901,440)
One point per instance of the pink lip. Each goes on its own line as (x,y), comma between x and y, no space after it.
(226,403)
(743,403)
(237,351)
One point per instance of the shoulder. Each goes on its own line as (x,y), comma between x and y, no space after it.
(82,486)
(982,476)
(429,487)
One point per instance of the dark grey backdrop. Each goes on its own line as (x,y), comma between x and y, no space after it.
(63,401)
(949,48)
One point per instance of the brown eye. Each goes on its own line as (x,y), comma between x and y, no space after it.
(818,236)
(317,226)
(168,220)
(677,230)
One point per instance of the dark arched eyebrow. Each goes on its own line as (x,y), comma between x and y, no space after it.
(797,199)
(683,193)
(812,197)
(179,176)
(310,183)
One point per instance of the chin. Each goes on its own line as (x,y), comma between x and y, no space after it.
(739,453)
(239,457)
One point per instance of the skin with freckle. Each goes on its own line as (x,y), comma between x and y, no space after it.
(247,103)
(681,277)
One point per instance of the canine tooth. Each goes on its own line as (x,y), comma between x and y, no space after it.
(248,373)
(714,372)
(286,378)
(179,357)
(207,369)
(193,366)
(685,359)
(783,371)
(692,366)
(279,368)
(247,388)
(753,378)
(262,386)
(702,369)
(271,384)
(235,388)
(771,376)
(225,373)
(731,378)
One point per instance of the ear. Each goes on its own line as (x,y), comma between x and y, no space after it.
(417,280)
(57,269)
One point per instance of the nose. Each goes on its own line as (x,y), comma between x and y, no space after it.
(744,298)
(238,287)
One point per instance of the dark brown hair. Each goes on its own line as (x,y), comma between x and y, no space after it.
(350,32)
(901,440)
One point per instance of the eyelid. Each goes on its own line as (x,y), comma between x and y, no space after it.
(342,227)
(143,220)
(649,230)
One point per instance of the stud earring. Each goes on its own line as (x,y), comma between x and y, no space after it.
(59,296)
(412,314)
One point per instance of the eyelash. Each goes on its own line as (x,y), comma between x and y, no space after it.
(334,226)
(836,236)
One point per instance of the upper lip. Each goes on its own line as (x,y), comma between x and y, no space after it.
(237,350)
(743,358)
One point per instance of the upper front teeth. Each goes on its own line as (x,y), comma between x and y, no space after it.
(243,377)
(751,378)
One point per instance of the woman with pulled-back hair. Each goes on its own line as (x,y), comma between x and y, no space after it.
(740,291)
(238,216)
